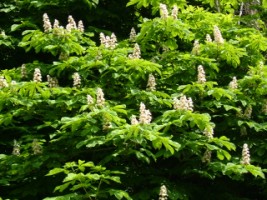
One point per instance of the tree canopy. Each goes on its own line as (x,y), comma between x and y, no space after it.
(136,99)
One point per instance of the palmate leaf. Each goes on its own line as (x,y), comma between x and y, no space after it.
(140,3)
(224,142)
(255,171)
(232,54)
(119,194)
(141,66)
(92,141)
(72,196)
(239,170)
(55,171)
(221,154)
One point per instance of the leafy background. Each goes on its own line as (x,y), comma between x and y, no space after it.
(72,149)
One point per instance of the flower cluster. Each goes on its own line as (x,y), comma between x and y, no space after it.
(183,103)
(136,52)
(56,24)
(16,148)
(37,76)
(163,11)
(233,84)
(106,126)
(164,14)
(52,81)
(201,74)
(134,121)
(47,24)
(175,12)
(23,71)
(132,35)
(80,26)
(3,33)
(100,100)
(3,82)
(60,29)
(163,193)
(217,35)
(106,123)
(36,147)
(208,132)
(206,157)
(196,48)
(245,155)
(89,99)
(248,112)
(145,115)
(108,42)
(151,83)
(71,24)
(76,80)
(208,38)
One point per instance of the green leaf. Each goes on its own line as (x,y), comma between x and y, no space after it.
(55,171)
(65,197)
(61,188)
(157,143)
(255,171)
(70,177)
(220,155)
(119,194)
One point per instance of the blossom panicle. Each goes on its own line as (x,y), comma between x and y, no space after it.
(208,132)
(196,48)
(16,148)
(46,23)
(217,35)
(136,52)
(100,100)
(208,38)
(145,115)
(71,24)
(245,155)
(201,74)
(3,82)
(37,76)
(183,103)
(108,41)
(132,35)
(56,24)
(233,84)
(151,83)
(163,193)
(76,80)
(175,12)
(80,26)
(89,99)
(36,147)
(52,81)
(163,11)
(134,121)
(206,157)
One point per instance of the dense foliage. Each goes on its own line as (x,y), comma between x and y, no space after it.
(96,109)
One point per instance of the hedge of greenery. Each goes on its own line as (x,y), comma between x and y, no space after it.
(133,99)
